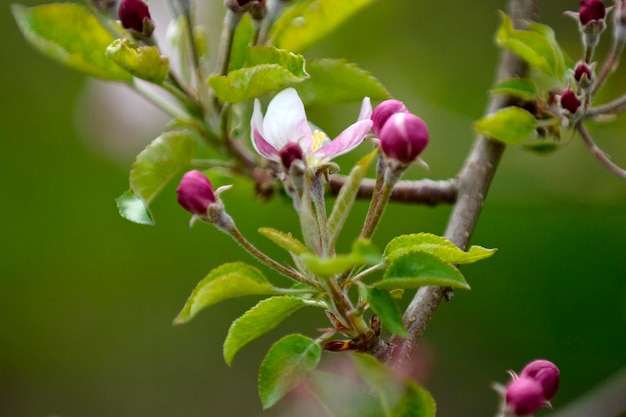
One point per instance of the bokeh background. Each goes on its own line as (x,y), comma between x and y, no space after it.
(88,298)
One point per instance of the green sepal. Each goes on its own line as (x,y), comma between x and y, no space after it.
(144,62)
(284,240)
(306,22)
(71,35)
(516,87)
(417,269)
(383,304)
(287,363)
(363,253)
(158,163)
(347,195)
(435,245)
(510,125)
(399,396)
(224,282)
(335,81)
(132,208)
(257,321)
(536,46)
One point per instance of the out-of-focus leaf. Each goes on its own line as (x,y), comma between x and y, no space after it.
(241,42)
(510,125)
(363,252)
(260,319)
(286,365)
(70,34)
(416,269)
(306,22)
(335,81)
(144,62)
(516,87)
(224,282)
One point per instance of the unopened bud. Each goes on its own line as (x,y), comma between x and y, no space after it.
(256,7)
(546,373)
(403,137)
(383,111)
(135,15)
(524,396)
(591,10)
(195,193)
(569,101)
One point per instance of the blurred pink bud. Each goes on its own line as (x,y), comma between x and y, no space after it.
(581,70)
(383,111)
(524,396)
(403,137)
(569,101)
(544,372)
(195,193)
(135,15)
(591,10)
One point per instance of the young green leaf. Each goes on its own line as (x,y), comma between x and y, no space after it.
(132,208)
(416,269)
(306,22)
(363,253)
(71,35)
(286,365)
(144,62)
(294,63)
(335,81)
(416,402)
(347,195)
(516,87)
(159,162)
(257,321)
(247,83)
(284,240)
(241,42)
(510,125)
(435,245)
(383,304)
(534,46)
(224,282)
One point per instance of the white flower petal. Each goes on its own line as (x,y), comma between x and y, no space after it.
(366,110)
(285,121)
(262,146)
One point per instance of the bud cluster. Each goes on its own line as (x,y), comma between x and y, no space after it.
(536,385)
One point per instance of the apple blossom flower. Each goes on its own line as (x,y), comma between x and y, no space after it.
(285,124)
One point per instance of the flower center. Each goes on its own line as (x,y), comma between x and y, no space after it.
(319,139)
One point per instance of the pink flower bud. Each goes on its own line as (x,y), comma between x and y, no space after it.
(290,153)
(524,396)
(135,15)
(544,372)
(591,10)
(403,137)
(581,70)
(195,193)
(383,111)
(569,101)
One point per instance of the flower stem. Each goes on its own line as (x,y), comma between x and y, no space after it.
(599,153)
(317,196)
(390,179)
(376,192)
(231,20)
(609,66)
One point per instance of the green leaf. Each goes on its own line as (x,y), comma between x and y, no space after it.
(159,162)
(510,125)
(416,269)
(335,81)
(247,83)
(260,319)
(144,62)
(563,61)
(71,35)
(363,252)
(305,23)
(534,46)
(399,396)
(347,195)
(224,282)
(516,87)
(286,365)
(383,304)
(284,240)
(294,63)
(132,208)
(241,42)
(435,245)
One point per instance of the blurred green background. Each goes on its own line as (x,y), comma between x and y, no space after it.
(88,298)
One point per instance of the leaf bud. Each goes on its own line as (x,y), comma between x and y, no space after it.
(383,111)
(524,396)
(569,101)
(195,193)
(135,16)
(546,373)
(403,137)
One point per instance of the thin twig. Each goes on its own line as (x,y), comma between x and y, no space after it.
(599,153)
(473,184)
